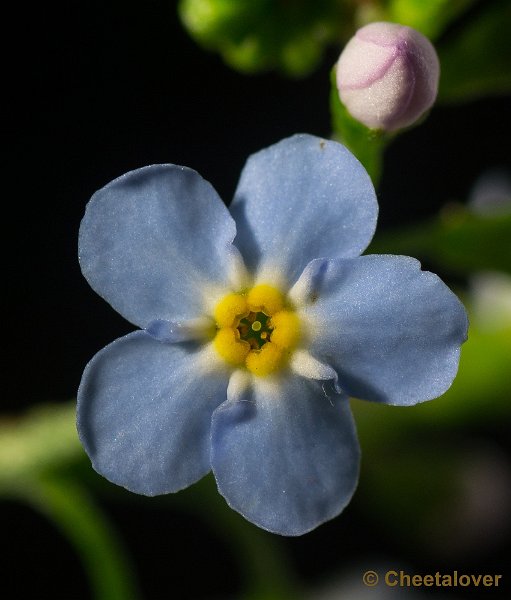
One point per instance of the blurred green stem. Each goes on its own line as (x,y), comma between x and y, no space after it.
(72,511)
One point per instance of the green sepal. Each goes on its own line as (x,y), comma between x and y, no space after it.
(366,144)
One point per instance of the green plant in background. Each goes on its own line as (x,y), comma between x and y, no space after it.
(258,35)
(41,462)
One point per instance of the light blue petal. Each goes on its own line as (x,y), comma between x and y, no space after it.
(172,332)
(391,331)
(144,413)
(301,199)
(285,455)
(153,240)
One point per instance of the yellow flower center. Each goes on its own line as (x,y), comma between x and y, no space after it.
(256,330)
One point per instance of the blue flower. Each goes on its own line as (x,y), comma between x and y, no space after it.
(256,325)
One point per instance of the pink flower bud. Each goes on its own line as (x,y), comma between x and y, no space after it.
(387,75)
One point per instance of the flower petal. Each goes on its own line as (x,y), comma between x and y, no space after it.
(391,331)
(173,332)
(153,241)
(144,412)
(284,455)
(302,363)
(301,199)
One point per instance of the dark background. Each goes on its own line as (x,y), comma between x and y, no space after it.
(93,90)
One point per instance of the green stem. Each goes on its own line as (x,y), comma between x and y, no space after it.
(72,510)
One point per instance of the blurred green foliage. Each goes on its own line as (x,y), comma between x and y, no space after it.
(458,240)
(258,35)
(430,18)
(476,57)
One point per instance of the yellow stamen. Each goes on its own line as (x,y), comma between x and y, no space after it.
(286,329)
(265,298)
(264,361)
(229,309)
(230,347)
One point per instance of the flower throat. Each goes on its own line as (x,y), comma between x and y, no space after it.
(256,330)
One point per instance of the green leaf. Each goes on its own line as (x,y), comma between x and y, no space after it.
(476,59)
(458,240)
(366,144)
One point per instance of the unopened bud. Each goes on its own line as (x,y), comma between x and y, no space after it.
(387,75)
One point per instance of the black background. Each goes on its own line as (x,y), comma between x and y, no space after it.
(94,89)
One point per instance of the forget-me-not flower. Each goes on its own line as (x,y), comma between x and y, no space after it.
(256,325)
